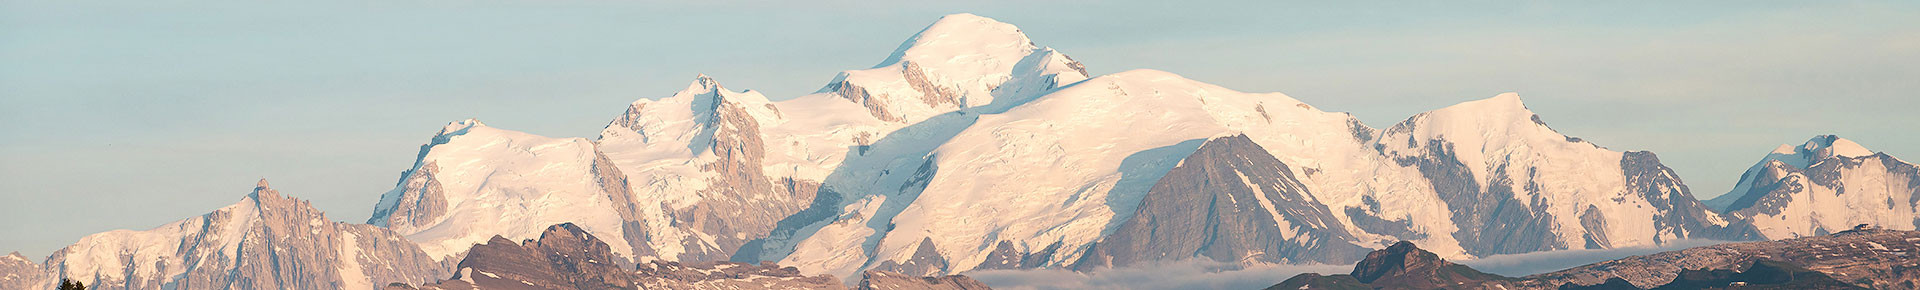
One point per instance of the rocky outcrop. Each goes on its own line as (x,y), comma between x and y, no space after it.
(1401,266)
(565,257)
(421,199)
(875,280)
(1229,201)
(568,257)
(266,241)
(1866,257)
(926,261)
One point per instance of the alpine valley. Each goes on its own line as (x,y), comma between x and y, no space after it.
(968,148)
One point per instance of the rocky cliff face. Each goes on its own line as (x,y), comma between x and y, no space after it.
(567,257)
(1401,266)
(1229,201)
(1827,185)
(18,272)
(876,280)
(266,241)
(697,174)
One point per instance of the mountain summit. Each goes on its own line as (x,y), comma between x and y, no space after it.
(264,241)
(1826,185)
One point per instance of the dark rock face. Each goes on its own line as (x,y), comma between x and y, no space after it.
(875,280)
(1401,266)
(1317,281)
(277,243)
(619,190)
(1229,201)
(1875,258)
(1491,220)
(567,257)
(1614,283)
(740,201)
(1675,208)
(421,199)
(926,260)
(1405,266)
(857,94)
(1762,274)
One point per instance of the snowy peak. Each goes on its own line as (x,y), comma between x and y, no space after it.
(705,89)
(961,61)
(1825,185)
(687,112)
(457,128)
(1503,111)
(959,36)
(491,181)
(1834,146)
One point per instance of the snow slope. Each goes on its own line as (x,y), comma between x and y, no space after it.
(473,182)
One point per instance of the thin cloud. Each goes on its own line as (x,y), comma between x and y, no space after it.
(1516,265)
(1204,274)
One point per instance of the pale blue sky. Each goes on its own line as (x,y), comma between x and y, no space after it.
(131,115)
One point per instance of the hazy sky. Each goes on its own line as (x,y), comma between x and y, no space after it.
(132,115)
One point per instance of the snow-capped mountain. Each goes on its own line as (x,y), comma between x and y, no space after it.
(970,147)
(264,241)
(961,61)
(473,182)
(1044,182)
(1826,185)
(695,175)
(1513,185)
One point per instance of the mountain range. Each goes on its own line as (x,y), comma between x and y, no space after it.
(971,147)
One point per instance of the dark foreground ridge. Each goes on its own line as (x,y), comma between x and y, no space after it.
(1401,266)
(1869,262)
(567,257)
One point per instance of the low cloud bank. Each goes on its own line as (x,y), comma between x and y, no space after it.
(1517,265)
(1206,274)
(1198,274)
